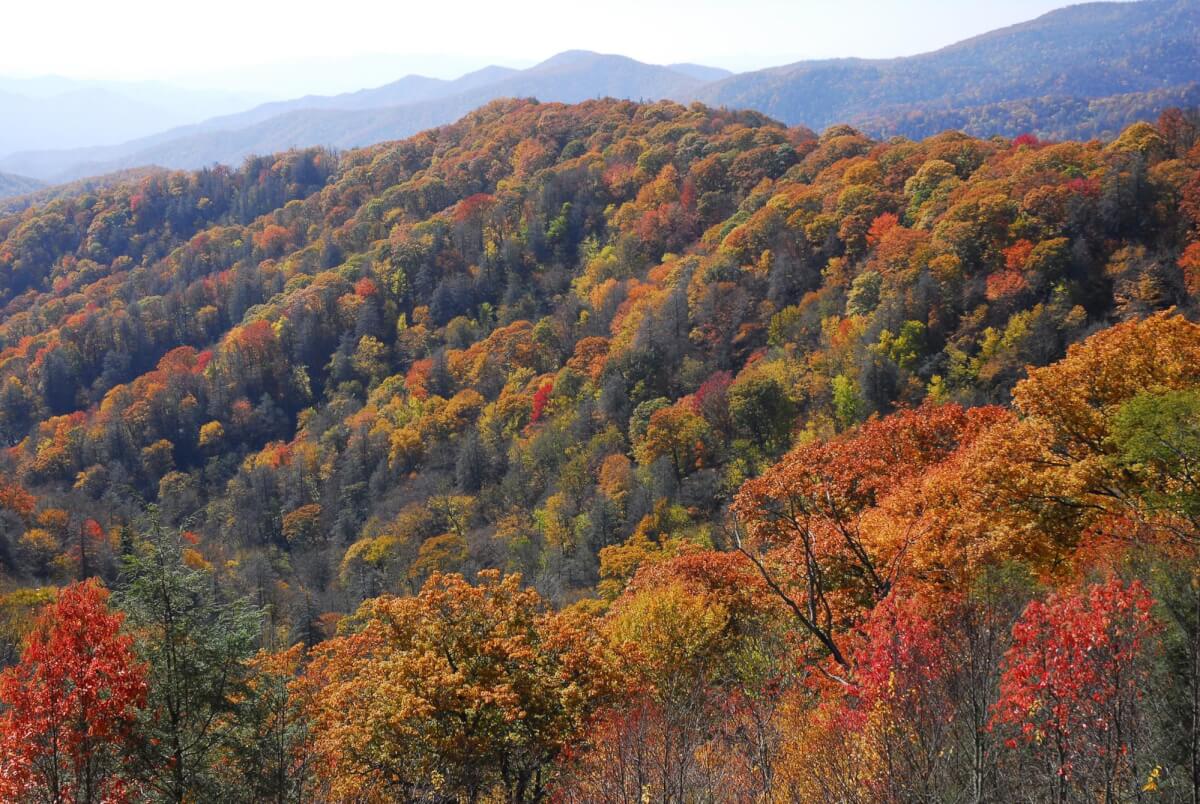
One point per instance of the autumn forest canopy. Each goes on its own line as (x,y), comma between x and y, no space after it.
(609,452)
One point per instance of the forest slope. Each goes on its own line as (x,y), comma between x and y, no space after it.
(619,428)
(491,312)
(11,185)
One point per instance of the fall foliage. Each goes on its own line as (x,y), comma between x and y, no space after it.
(70,704)
(608,452)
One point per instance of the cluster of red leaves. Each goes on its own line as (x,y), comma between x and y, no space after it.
(1075,660)
(903,655)
(71,703)
(1005,285)
(540,398)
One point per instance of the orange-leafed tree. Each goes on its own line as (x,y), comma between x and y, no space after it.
(71,705)
(1088,451)
(462,692)
(703,647)
(678,434)
(806,523)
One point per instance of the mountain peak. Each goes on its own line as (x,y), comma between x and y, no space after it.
(568,57)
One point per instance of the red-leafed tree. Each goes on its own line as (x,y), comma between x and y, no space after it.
(902,655)
(900,712)
(1073,684)
(541,397)
(71,704)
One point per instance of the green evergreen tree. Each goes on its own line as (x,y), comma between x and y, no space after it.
(197,644)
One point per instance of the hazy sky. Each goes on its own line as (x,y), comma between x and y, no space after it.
(350,43)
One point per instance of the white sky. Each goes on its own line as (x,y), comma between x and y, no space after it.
(226,42)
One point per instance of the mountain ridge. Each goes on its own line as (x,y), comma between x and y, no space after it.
(568,77)
(1078,72)
(49,107)
(1084,51)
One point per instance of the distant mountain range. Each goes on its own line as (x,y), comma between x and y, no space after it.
(1083,71)
(1079,53)
(58,113)
(396,110)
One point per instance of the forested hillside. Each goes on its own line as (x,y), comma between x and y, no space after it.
(11,185)
(609,452)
